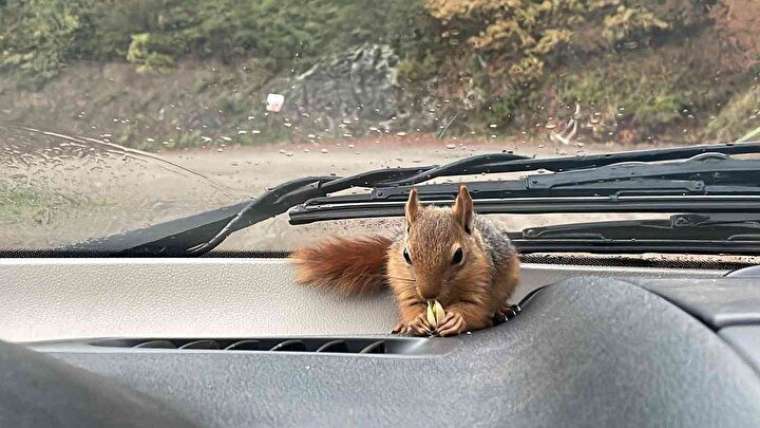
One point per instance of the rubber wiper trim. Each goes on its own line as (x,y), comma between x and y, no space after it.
(734,233)
(704,227)
(636,246)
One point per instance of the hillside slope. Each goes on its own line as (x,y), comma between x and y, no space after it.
(163,74)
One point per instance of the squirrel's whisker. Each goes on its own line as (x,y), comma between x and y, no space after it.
(401,279)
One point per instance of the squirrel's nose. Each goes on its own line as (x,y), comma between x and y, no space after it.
(427,293)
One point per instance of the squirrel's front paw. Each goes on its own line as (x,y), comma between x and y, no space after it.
(506,312)
(453,323)
(419,326)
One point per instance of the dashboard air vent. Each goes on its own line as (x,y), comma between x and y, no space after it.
(385,345)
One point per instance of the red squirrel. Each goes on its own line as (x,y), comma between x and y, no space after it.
(449,255)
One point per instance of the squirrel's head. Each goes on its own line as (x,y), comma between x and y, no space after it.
(441,247)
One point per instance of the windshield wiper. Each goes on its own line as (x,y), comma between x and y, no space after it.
(200,233)
(178,237)
(681,233)
(709,182)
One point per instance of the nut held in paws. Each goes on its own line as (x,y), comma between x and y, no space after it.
(435,313)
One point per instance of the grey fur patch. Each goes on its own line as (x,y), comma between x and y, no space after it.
(496,239)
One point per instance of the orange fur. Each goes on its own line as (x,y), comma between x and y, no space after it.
(471,291)
(350,267)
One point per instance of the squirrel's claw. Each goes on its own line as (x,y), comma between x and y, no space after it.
(506,312)
(452,324)
(418,327)
(399,329)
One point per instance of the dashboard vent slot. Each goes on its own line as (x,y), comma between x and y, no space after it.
(374,348)
(201,344)
(244,345)
(156,344)
(339,346)
(290,345)
(360,345)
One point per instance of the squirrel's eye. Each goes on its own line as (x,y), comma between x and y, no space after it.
(458,255)
(407,257)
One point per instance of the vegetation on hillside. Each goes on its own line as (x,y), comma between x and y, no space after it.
(637,69)
(39,37)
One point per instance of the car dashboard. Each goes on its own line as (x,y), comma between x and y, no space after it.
(234,342)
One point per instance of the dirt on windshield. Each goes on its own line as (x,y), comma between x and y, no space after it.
(87,190)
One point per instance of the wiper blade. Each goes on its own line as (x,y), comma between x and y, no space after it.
(708,227)
(729,233)
(578,204)
(631,246)
(707,182)
(197,234)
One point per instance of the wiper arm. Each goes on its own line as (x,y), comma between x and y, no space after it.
(713,168)
(197,234)
(508,162)
(202,231)
(729,233)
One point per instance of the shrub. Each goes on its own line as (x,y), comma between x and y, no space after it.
(140,52)
(38,36)
(529,33)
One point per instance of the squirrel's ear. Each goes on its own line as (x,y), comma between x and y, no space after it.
(464,209)
(412,208)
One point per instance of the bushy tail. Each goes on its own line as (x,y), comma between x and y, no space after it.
(349,266)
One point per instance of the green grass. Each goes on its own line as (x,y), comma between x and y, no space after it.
(18,202)
(740,118)
(649,101)
(24,204)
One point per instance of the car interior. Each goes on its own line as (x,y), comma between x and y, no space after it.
(233,341)
(169,169)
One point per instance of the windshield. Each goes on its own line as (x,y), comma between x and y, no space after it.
(117,115)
